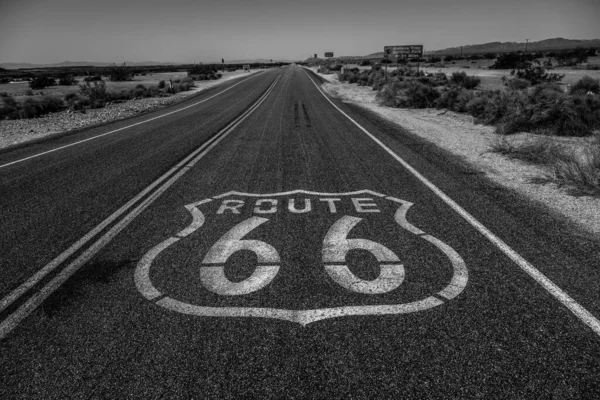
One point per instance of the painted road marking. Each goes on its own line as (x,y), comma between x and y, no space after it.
(584,315)
(336,245)
(213,277)
(12,321)
(129,126)
(271,206)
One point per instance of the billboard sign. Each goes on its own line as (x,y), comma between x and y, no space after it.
(405,52)
(329,54)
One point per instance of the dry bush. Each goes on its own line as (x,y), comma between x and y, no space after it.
(586,85)
(408,94)
(579,173)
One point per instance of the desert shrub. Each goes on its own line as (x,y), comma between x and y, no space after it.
(92,78)
(461,78)
(48,104)
(139,91)
(513,61)
(8,112)
(408,94)
(471,82)
(572,57)
(201,69)
(41,82)
(29,92)
(120,95)
(554,113)
(9,101)
(29,108)
(439,78)
(537,74)
(71,99)
(95,91)
(365,63)
(32,108)
(67,80)
(97,103)
(4,80)
(8,109)
(161,84)
(517,84)
(477,106)
(542,151)
(187,82)
(546,92)
(578,173)
(120,73)
(586,85)
(154,91)
(448,97)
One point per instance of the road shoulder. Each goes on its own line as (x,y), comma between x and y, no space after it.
(460,136)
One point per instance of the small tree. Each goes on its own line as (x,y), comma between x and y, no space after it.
(119,73)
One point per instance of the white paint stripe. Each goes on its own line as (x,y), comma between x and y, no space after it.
(214,280)
(234,193)
(303,317)
(33,280)
(400,216)
(584,315)
(32,303)
(129,126)
(145,287)
(460,276)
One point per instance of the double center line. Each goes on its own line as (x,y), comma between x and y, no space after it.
(123,215)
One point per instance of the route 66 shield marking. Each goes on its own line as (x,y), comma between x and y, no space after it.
(337,243)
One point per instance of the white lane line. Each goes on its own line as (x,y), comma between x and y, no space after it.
(584,315)
(32,303)
(34,279)
(128,126)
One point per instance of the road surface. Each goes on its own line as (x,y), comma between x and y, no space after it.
(262,240)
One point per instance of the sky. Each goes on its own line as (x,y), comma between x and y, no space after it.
(51,31)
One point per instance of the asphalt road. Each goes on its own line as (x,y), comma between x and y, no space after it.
(286,252)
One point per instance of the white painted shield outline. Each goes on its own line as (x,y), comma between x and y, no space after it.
(304,317)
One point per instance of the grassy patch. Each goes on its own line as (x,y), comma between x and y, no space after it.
(576,171)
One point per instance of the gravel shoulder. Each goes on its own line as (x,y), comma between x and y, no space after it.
(18,131)
(458,134)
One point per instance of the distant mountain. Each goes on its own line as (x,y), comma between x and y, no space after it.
(506,47)
(81,64)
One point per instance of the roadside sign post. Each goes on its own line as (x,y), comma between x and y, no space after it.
(405,52)
(328,54)
(386,58)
